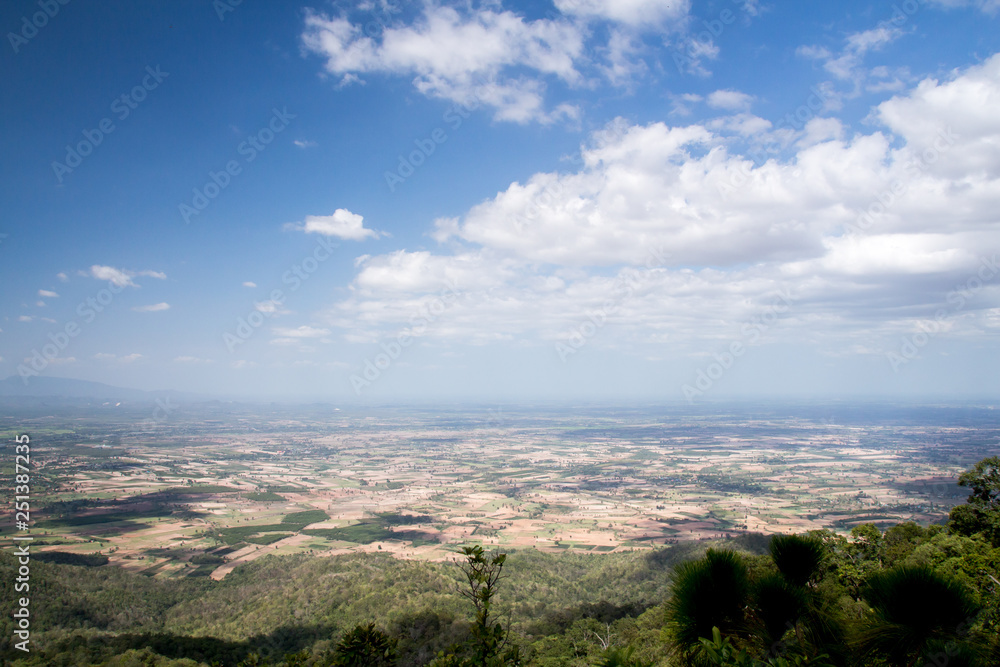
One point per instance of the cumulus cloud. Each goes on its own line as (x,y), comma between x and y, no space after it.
(115,276)
(420,271)
(488,57)
(685,237)
(47,293)
(249,284)
(154,308)
(342,224)
(459,56)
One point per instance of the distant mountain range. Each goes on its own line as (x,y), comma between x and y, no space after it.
(13,387)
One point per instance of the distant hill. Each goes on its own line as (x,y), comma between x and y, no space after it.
(13,387)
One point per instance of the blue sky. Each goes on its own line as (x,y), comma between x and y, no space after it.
(386,200)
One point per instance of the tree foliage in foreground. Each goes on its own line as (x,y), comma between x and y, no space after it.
(365,646)
(909,596)
(489,642)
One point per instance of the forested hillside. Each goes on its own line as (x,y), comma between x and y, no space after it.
(895,597)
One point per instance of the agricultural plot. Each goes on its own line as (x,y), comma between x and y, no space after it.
(196,497)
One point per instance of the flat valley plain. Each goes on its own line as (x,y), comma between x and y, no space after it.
(210,486)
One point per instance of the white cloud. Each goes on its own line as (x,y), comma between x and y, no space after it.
(121,277)
(62,277)
(485,56)
(533,261)
(819,130)
(191,360)
(25,318)
(731,100)
(249,284)
(621,55)
(987,6)
(47,293)
(475,56)
(968,104)
(115,276)
(304,144)
(694,51)
(343,224)
(848,65)
(635,13)
(413,272)
(744,124)
(154,308)
(268,306)
(124,359)
(682,103)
